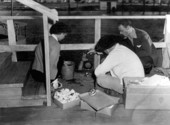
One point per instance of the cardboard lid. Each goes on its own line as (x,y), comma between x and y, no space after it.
(99,101)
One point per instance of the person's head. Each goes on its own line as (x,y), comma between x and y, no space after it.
(60,30)
(107,43)
(125,28)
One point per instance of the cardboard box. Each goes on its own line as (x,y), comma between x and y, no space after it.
(106,111)
(100,103)
(145,97)
(67,105)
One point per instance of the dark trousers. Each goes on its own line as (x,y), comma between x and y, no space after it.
(40,77)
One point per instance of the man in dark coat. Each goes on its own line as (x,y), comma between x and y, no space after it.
(142,44)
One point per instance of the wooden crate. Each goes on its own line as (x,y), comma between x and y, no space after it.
(145,97)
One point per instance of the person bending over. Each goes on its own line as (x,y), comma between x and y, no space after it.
(120,62)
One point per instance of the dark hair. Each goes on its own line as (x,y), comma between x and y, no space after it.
(125,22)
(107,42)
(59,27)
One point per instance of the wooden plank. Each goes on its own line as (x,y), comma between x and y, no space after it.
(76,46)
(15,74)
(22,47)
(17,85)
(113,17)
(47,61)
(19,17)
(97,37)
(5,103)
(31,47)
(40,8)
(12,37)
(10,93)
(5,60)
(85,17)
(5,48)
(30,97)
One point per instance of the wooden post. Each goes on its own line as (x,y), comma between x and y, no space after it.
(12,37)
(144,6)
(167,30)
(160,5)
(12,5)
(47,61)
(166,51)
(97,37)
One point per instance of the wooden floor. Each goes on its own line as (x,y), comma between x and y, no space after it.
(53,115)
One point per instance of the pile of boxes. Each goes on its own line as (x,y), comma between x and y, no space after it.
(139,93)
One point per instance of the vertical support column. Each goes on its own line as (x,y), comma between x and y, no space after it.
(97,37)
(167,29)
(166,51)
(47,61)
(144,6)
(12,37)
(12,6)
(160,6)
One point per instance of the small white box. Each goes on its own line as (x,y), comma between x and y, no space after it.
(68,104)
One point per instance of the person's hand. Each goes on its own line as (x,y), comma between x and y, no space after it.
(84,58)
(92,51)
(161,40)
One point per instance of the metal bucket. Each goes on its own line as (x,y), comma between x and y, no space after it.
(67,70)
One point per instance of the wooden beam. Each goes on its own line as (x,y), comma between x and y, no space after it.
(12,37)
(167,29)
(19,17)
(5,103)
(22,47)
(16,85)
(31,47)
(97,37)
(83,17)
(112,17)
(47,61)
(76,46)
(5,48)
(40,8)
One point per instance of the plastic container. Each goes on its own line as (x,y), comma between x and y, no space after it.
(67,70)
